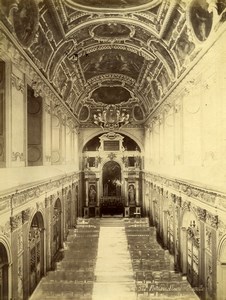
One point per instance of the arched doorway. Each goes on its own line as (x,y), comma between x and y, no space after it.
(112,203)
(221,271)
(189,247)
(69,210)
(36,246)
(57,239)
(3,273)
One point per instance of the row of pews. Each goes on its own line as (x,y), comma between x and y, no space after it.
(74,275)
(153,266)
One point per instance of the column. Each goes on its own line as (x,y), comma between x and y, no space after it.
(126,192)
(137,193)
(183,248)
(98,192)
(165,229)
(87,193)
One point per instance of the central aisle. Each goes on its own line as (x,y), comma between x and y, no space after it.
(114,274)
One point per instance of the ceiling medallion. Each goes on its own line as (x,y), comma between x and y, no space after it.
(111,117)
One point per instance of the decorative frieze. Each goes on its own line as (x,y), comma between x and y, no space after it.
(5,202)
(19,198)
(200,194)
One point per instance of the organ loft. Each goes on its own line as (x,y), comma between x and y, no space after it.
(112,149)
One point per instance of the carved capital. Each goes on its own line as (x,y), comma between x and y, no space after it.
(212,220)
(26,215)
(201,214)
(186,205)
(178,201)
(15,222)
(17,83)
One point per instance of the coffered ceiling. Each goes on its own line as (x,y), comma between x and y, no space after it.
(122,54)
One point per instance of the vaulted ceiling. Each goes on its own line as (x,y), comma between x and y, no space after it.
(126,54)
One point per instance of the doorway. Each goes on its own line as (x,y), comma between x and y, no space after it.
(36,245)
(221,271)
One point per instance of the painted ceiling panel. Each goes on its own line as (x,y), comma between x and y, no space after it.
(111,3)
(111,61)
(125,55)
(111,95)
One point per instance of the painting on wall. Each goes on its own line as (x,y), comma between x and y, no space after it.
(112,179)
(112,61)
(84,113)
(41,48)
(111,3)
(111,95)
(26,19)
(201,19)
(111,31)
(138,113)
(184,47)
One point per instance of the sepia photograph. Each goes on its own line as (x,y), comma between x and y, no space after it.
(112,149)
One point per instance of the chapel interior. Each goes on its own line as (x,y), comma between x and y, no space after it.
(112,149)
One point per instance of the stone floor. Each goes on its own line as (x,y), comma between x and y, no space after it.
(114,273)
(111,259)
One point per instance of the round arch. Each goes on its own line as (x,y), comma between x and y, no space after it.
(189,222)
(221,268)
(69,209)
(186,217)
(5,261)
(100,131)
(36,250)
(222,250)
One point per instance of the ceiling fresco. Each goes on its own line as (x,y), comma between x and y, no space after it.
(110,95)
(110,4)
(112,60)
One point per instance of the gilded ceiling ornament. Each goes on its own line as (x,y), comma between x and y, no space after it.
(111,118)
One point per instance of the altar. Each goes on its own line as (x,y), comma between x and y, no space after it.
(111,206)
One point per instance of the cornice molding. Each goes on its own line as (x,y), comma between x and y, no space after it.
(210,198)
(18,198)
